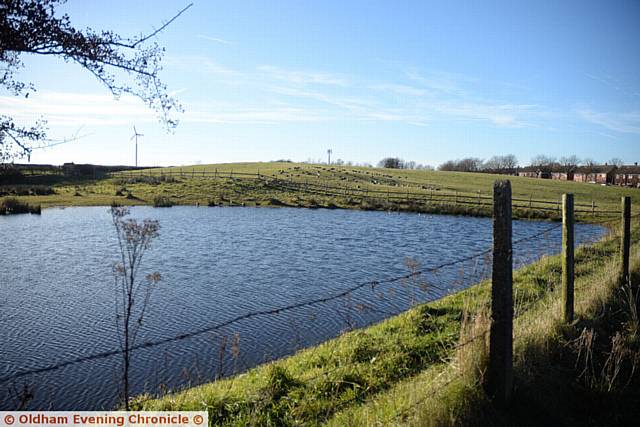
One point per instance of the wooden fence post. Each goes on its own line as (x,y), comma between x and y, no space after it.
(625,241)
(593,208)
(567,257)
(500,369)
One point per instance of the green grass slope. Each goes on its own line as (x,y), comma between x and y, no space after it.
(303,185)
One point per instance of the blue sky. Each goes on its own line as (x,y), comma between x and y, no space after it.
(426,81)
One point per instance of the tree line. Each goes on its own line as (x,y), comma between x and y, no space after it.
(504,164)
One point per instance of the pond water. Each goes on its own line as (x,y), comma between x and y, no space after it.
(57,290)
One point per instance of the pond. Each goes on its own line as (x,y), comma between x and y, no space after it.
(57,293)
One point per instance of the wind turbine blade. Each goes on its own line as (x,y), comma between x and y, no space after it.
(134,129)
(131,139)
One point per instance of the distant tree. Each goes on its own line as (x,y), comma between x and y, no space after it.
(449,165)
(568,163)
(424,167)
(391,163)
(132,295)
(502,164)
(510,163)
(616,162)
(542,160)
(469,164)
(123,65)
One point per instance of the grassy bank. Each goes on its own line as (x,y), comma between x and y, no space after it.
(565,375)
(304,185)
(11,206)
(424,366)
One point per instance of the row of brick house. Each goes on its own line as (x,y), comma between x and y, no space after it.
(601,174)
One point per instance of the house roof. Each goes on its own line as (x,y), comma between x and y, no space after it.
(529,169)
(633,169)
(595,169)
(562,169)
(545,168)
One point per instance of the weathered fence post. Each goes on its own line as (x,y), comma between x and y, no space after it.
(593,208)
(625,241)
(499,373)
(567,257)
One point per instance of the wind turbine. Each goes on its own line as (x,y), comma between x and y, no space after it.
(136,135)
(329,151)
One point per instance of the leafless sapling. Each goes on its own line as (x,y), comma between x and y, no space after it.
(132,295)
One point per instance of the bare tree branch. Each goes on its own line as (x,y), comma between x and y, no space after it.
(122,65)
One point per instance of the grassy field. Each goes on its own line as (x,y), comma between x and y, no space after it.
(352,187)
(424,367)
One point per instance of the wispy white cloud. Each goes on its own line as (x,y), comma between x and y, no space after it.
(400,89)
(256,116)
(500,114)
(198,64)
(302,77)
(628,122)
(351,103)
(73,109)
(444,83)
(214,39)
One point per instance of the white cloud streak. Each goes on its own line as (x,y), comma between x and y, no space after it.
(628,122)
(302,77)
(214,39)
(73,109)
(198,64)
